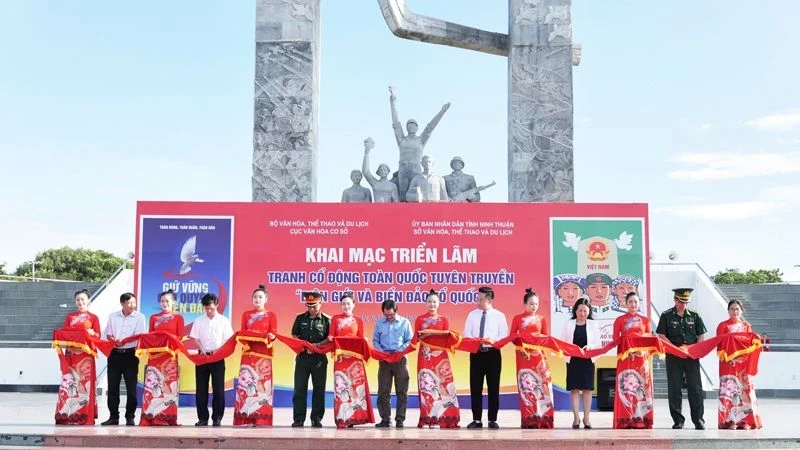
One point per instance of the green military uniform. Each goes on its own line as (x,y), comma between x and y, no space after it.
(312,330)
(683,330)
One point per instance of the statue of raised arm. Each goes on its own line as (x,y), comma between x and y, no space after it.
(411,145)
(383,190)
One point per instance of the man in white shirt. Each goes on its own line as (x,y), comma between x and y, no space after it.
(123,361)
(490,325)
(210,331)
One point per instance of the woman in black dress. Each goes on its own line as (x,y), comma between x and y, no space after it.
(582,331)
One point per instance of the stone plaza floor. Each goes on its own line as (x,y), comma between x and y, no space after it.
(26,420)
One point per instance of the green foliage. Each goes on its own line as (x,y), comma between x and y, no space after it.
(760,276)
(3,268)
(77,264)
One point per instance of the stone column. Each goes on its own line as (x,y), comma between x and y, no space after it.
(286,100)
(540,118)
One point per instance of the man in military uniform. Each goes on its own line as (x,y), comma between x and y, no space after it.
(311,326)
(598,289)
(682,326)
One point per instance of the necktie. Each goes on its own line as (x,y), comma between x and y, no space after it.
(483,324)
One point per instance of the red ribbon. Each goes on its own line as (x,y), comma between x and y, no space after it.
(729,346)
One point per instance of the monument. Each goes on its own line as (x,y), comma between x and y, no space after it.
(427,186)
(459,182)
(540,58)
(356,193)
(540,113)
(411,146)
(286,101)
(384,190)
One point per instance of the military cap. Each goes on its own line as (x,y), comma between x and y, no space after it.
(455,160)
(312,298)
(683,295)
(598,278)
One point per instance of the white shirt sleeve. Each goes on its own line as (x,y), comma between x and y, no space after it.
(503,326)
(141,325)
(110,326)
(469,327)
(227,332)
(196,326)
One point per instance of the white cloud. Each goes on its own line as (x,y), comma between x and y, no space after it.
(723,212)
(703,127)
(784,121)
(728,165)
(770,201)
(786,194)
(784,141)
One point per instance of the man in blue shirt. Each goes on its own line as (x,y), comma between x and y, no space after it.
(392,334)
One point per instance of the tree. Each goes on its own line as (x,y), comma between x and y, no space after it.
(760,276)
(77,264)
(3,268)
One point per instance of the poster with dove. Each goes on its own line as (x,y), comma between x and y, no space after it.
(190,255)
(601,259)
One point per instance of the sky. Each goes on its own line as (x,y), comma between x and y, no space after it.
(689,106)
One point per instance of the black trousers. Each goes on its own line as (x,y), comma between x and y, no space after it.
(315,366)
(486,364)
(676,369)
(122,364)
(399,373)
(215,371)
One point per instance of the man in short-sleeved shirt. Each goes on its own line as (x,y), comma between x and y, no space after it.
(490,325)
(123,363)
(392,334)
(682,326)
(210,331)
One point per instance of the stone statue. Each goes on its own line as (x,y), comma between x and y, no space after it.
(383,190)
(356,193)
(427,186)
(411,145)
(540,53)
(458,181)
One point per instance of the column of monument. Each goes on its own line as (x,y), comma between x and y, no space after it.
(540,111)
(286,100)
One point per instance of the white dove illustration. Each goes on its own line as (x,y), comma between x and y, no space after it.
(571,241)
(188,257)
(624,241)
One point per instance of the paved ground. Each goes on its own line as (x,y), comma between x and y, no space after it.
(27,420)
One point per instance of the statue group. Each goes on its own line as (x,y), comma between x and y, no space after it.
(415,179)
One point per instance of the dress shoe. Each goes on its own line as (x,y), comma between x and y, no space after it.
(201,423)
(700,426)
(576,425)
(677,426)
(316,424)
(110,422)
(493,425)
(399,424)
(297,424)
(475,424)
(216,423)
(382,424)
(588,426)
(130,422)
